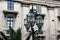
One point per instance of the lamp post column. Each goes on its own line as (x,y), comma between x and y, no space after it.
(32,29)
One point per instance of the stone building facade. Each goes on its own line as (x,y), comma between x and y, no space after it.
(18,10)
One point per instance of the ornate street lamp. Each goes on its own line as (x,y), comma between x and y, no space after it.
(33,18)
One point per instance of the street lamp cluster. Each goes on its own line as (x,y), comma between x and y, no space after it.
(34,18)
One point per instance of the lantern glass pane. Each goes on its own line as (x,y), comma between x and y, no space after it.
(39,19)
(25,21)
(31,17)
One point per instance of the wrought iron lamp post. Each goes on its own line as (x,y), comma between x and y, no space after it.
(32,18)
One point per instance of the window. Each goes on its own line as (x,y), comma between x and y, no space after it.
(38,8)
(10,17)
(10,21)
(10,5)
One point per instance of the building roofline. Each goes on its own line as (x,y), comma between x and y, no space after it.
(48,4)
(43,3)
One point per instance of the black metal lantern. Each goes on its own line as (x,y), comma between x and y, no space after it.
(31,18)
(39,22)
(26,24)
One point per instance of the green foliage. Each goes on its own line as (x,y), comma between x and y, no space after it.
(18,34)
(14,35)
(1,38)
(3,35)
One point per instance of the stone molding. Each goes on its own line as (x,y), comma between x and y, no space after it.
(52,3)
(46,3)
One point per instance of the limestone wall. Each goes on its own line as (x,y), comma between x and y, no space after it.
(51,23)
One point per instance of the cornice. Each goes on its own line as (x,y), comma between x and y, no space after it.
(51,4)
(44,3)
